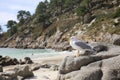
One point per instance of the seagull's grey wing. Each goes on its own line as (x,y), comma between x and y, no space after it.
(82,45)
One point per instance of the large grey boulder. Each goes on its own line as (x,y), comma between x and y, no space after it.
(71,63)
(111,68)
(24,71)
(18,73)
(91,74)
(35,67)
(101,66)
(8,75)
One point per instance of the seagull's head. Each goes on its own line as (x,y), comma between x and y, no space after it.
(73,38)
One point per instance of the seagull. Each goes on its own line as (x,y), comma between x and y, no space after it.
(79,45)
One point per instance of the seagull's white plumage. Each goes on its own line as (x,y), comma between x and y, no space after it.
(79,45)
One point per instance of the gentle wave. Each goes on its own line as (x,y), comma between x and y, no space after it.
(32,53)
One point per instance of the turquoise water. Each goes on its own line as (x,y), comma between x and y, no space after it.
(32,53)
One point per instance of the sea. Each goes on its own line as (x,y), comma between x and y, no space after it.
(32,53)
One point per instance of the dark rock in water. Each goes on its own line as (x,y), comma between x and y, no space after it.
(101,66)
(21,62)
(28,60)
(15,61)
(100,48)
(0,56)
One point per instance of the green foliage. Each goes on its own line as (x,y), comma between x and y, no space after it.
(85,2)
(23,15)
(41,8)
(42,14)
(69,3)
(117,13)
(12,25)
(42,17)
(57,4)
(82,10)
(53,3)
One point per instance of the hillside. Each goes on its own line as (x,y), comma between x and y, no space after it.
(56,21)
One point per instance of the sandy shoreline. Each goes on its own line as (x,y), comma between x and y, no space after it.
(45,73)
(53,59)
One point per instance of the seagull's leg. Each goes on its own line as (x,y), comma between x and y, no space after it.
(78,54)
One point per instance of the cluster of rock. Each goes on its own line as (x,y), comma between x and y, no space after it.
(26,60)
(103,65)
(23,69)
(18,73)
(42,42)
(6,61)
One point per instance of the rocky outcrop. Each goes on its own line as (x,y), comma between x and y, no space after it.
(6,61)
(18,73)
(35,67)
(24,71)
(28,60)
(104,65)
(8,75)
(62,27)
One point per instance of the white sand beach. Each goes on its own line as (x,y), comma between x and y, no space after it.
(45,73)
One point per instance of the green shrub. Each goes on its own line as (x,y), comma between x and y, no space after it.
(117,13)
(82,10)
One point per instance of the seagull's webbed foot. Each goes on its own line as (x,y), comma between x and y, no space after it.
(78,54)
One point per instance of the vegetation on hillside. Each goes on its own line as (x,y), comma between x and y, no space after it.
(12,25)
(117,13)
(23,16)
(54,15)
